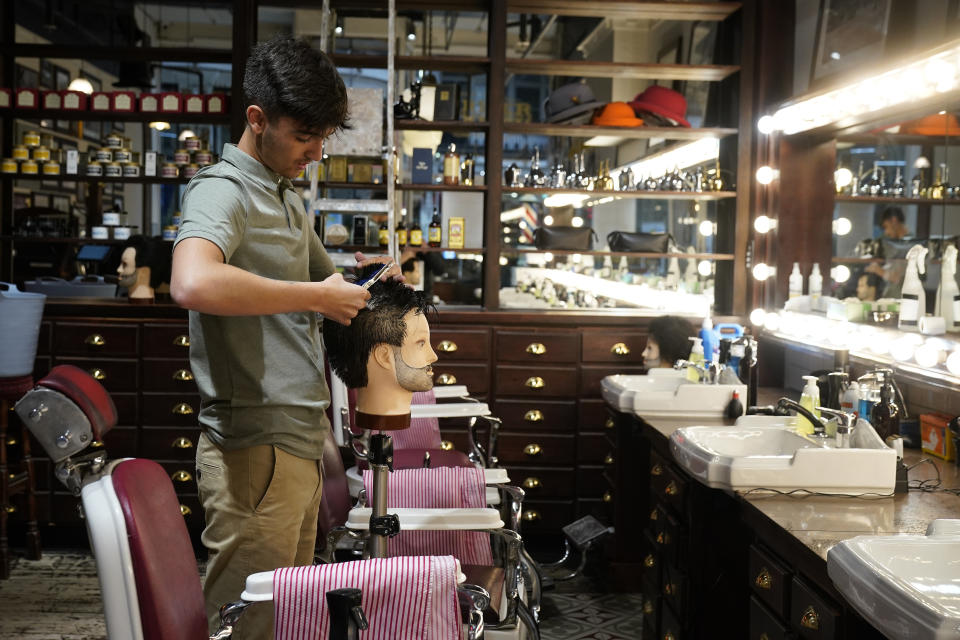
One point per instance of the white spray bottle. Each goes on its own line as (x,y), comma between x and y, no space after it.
(673,273)
(796,281)
(815,285)
(913,300)
(948,294)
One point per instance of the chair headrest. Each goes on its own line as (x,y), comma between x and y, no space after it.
(88,394)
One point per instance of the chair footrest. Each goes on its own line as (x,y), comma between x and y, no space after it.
(431,519)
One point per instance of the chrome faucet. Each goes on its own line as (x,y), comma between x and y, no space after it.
(707,373)
(845,421)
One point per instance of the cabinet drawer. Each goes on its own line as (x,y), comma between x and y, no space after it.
(166,341)
(590,482)
(651,609)
(536,448)
(546,517)
(41,367)
(475,376)
(83,339)
(168,375)
(670,628)
(670,538)
(594,449)
(668,484)
(170,409)
(182,474)
(543,482)
(121,442)
(593,415)
(763,624)
(65,509)
(460,344)
(769,581)
(673,589)
(458,439)
(536,381)
(812,616)
(650,561)
(599,509)
(591,376)
(128,414)
(178,443)
(534,347)
(114,375)
(43,339)
(536,415)
(612,346)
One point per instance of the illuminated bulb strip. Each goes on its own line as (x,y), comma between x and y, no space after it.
(683,156)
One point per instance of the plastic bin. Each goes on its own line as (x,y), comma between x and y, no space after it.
(79,287)
(20,314)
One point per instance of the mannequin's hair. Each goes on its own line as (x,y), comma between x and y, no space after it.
(672,334)
(348,348)
(154,253)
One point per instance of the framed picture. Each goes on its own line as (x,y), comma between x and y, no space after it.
(850,34)
(47,79)
(41,199)
(670,54)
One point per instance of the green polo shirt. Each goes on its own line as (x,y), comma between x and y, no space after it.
(261,377)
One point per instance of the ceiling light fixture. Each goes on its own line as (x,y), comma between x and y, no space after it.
(80,84)
(339,28)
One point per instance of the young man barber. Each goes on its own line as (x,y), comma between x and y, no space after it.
(254,275)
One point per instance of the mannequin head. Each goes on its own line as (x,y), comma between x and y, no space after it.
(669,341)
(385,352)
(144,266)
(869,286)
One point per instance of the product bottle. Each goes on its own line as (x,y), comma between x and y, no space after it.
(948,294)
(696,357)
(850,400)
(810,400)
(416,234)
(435,231)
(866,403)
(401,233)
(709,339)
(898,190)
(815,285)
(383,236)
(451,166)
(886,414)
(467,171)
(938,187)
(796,281)
(913,299)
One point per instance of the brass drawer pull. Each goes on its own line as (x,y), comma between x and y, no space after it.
(654,515)
(10,508)
(647,608)
(536,349)
(534,415)
(535,382)
(532,483)
(650,561)
(447,346)
(669,636)
(533,449)
(810,618)
(182,409)
(764,580)
(185,510)
(607,496)
(663,538)
(531,515)
(446,379)
(182,443)
(764,636)
(620,349)
(670,589)
(656,470)
(181,476)
(609,424)
(12,441)
(95,339)
(446,445)
(609,459)
(182,375)
(672,489)
(98,374)
(181,341)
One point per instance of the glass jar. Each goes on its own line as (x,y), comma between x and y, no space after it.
(122,156)
(9,165)
(181,157)
(169,170)
(191,143)
(41,154)
(190,170)
(51,168)
(112,170)
(103,155)
(94,168)
(203,158)
(20,153)
(113,141)
(131,170)
(29,167)
(31,139)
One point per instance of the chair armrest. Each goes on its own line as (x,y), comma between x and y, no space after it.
(473,601)
(450,410)
(432,519)
(450,391)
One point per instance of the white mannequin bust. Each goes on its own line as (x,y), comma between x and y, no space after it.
(135,279)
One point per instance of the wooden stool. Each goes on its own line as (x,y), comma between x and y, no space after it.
(19,478)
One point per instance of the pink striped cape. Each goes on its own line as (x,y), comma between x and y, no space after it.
(411,598)
(440,488)
(423,433)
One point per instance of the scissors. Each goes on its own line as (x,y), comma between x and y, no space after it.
(367,282)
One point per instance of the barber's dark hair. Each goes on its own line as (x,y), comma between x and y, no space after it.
(152,252)
(381,321)
(875,281)
(285,76)
(893,213)
(672,334)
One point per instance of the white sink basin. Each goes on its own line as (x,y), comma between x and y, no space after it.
(771,455)
(669,400)
(907,586)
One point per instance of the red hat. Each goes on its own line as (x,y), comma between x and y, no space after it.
(617,114)
(663,102)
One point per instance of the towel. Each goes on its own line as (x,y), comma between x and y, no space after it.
(411,598)
(423,433)
(440,488)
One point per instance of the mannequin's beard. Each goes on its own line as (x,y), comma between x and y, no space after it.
(127,280)
(412,378)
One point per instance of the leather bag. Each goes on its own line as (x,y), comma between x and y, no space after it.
(639,241)
(570,238)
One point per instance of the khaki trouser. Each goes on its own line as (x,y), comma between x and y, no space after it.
(261,507)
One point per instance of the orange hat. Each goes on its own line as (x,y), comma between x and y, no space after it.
(617,114)
(938,124)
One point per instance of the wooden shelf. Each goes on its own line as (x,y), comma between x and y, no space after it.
(115,116)
(44,240)
(630,254)
(899,139)
(647,195)
(462,64)
(372,248)
(838,260)
(592,69)
(590,131)
(441,187)
(367,186)
(426,249)
(885,200)
(625,9)
(78,178)
(138,54)
(440,125)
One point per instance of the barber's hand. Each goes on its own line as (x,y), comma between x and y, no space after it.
(393,272)
(343,299)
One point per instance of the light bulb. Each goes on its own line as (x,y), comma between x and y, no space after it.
(704,268)
(160,126)
(548,257)
(548,220)
(771,321)
(577,221)
(840,273)
(927,356)
(758,314)
(767,125)
(706,228)
(763,224)
(186,133)
(842,226)
(843,177)
(902,350)
(766,175)
(80,84)
(762,271)
(953,363)
(503,261)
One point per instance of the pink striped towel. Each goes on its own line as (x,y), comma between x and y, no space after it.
(440,488)
(411,598)
(423,433)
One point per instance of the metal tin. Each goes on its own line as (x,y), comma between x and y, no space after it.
(99,233)
(29,167)
(103,155)
(94,168)
(9,165)
(131,170)
(190,170)
(169,170)
(203,158)
(121,233)
(191,143)
(181,156)
(122,156)
(111,218)
(41,154)
(113,141)
(31,139)
(169,232)
(177,219)
(112,170)
(51,168)
(20,152)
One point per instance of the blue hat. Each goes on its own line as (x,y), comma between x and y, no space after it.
(568,102)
